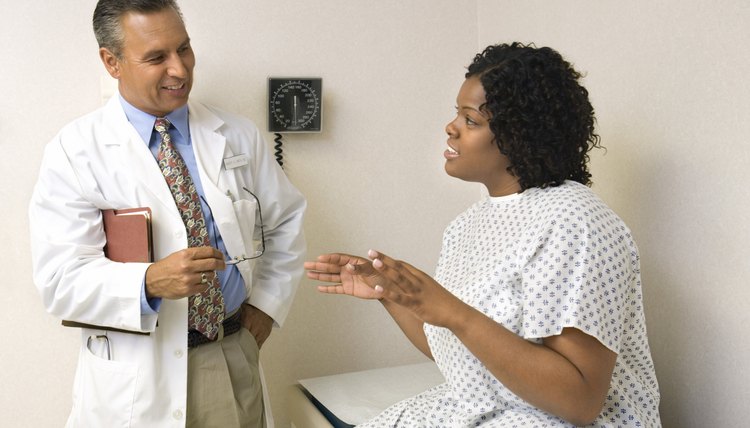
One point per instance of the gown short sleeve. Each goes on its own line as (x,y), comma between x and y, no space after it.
(578,263)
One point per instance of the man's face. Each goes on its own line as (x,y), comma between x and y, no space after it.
(155,71)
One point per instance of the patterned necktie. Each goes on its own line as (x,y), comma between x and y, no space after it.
(206,309)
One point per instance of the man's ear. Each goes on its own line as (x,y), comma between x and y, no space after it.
(110,61)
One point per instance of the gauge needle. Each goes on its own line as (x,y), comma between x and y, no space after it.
(294,119)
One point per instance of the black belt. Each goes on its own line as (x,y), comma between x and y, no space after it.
(231,325)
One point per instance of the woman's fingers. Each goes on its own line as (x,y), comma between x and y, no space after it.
(322,267)
(387,277)
(331,289)
(322,271)
(325,277)
(327,267)
(397,274)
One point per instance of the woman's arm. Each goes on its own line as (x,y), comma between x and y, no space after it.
(568,375)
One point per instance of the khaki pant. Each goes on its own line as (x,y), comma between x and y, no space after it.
(224,386)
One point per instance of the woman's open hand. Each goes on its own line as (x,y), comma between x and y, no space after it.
(386,278)
(409,287)
(351,275)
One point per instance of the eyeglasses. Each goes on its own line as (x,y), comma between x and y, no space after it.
(257,253)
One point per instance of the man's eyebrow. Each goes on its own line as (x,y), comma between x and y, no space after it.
(152,54)
(157,52)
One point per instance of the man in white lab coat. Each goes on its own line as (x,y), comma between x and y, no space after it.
(167,375)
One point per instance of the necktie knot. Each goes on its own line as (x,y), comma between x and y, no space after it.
(161,125)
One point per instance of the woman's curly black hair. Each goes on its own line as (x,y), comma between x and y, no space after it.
(541,116)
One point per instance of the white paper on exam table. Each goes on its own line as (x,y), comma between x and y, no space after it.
(356,397)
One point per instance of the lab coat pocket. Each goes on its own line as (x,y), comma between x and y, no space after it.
(107,390)
(245,210)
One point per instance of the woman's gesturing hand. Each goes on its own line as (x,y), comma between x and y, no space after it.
(351,275)
(385,278)
(409,287)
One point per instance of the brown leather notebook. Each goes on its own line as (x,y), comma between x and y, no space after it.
(128,233)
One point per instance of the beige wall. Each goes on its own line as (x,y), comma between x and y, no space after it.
(668,81)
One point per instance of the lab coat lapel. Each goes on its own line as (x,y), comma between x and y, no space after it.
(210,148)
(208,144)
(135,156)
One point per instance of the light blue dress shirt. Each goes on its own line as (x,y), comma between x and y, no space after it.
(232,285)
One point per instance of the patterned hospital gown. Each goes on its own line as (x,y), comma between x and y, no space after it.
(537,262)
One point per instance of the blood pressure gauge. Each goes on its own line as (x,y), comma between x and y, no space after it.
(294,104)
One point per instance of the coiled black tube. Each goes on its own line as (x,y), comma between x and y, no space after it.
(279,153)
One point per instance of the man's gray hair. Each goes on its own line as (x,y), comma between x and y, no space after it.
(108,19)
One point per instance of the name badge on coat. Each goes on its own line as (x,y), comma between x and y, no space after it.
(235,161)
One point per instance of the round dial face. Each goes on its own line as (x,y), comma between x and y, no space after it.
(294,105)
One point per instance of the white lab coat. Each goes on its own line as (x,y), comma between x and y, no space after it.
(99,162)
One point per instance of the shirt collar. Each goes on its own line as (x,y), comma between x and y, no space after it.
(144,122)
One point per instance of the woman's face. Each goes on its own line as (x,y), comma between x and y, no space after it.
(472,154)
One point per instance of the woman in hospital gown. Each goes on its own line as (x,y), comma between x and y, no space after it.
(535,314)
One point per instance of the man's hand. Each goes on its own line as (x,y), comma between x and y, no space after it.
(180,274)
(257,322)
